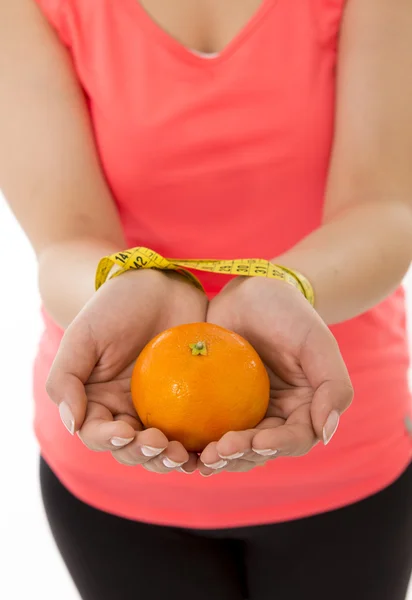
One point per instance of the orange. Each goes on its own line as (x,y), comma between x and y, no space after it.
(196,382)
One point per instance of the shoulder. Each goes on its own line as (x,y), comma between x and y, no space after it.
(75,18)
(52,10)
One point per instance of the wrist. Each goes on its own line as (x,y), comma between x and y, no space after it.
(294,283)
(254,286)
(66,275)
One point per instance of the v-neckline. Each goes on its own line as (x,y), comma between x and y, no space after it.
(187,53)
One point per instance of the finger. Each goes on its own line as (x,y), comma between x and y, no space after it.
(225,455)
(146,445)
(100,432)
(173,457)
(295,438)
(210,458)
(73,364)
(237,445)
(231,446)
(133,422)
(219,464)
(209,461)
(326,371)
(330,400)
(190,466)
(232,466)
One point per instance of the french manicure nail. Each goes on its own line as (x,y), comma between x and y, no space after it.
(206,474)
(150,451)
(217,465)
(171,464)
(330,427)
(118,442)
(183,471)
(265,452)
(66,416)
(233,456)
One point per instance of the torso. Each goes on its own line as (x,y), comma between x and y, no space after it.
(225,158)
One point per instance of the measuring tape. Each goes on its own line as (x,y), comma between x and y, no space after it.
(144,258)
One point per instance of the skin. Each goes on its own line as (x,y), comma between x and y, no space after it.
(368,201)
(92,373)
(308,378)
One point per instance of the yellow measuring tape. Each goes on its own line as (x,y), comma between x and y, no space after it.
(144,258)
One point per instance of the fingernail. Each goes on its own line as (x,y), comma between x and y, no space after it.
(66,416)
(233,456)
(171,464)
(187,472)
(217,465)
(150,451)
(119,442)
(330,427)
(206,474)
(265,452)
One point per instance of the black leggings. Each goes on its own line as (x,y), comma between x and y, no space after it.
(360,552)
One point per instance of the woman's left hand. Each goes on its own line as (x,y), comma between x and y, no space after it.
(309,384)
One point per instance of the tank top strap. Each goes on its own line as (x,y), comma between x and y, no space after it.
(54,11)
(328,15)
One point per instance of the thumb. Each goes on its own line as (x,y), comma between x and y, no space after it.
(326,372)
(330,400)
(72,367)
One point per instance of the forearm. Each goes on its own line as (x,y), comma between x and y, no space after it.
(67,273)
(355,260)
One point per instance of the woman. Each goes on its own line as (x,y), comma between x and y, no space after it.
(252,128)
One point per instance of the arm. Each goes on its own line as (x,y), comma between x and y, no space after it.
(50,174)
(49,171)
(364,247)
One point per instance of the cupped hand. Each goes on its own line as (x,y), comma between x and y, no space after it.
(90,376)
(309,384)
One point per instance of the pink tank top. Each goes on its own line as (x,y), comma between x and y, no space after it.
(220,158)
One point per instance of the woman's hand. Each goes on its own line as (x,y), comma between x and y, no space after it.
(90,377)
(309,383)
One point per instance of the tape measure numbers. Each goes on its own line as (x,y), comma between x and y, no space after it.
(144,258)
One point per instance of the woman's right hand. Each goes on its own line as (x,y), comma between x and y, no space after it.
(90,376)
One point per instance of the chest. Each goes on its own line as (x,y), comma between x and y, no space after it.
(163,116)
(203,25)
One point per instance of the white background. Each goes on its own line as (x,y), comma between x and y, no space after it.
(30,566)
